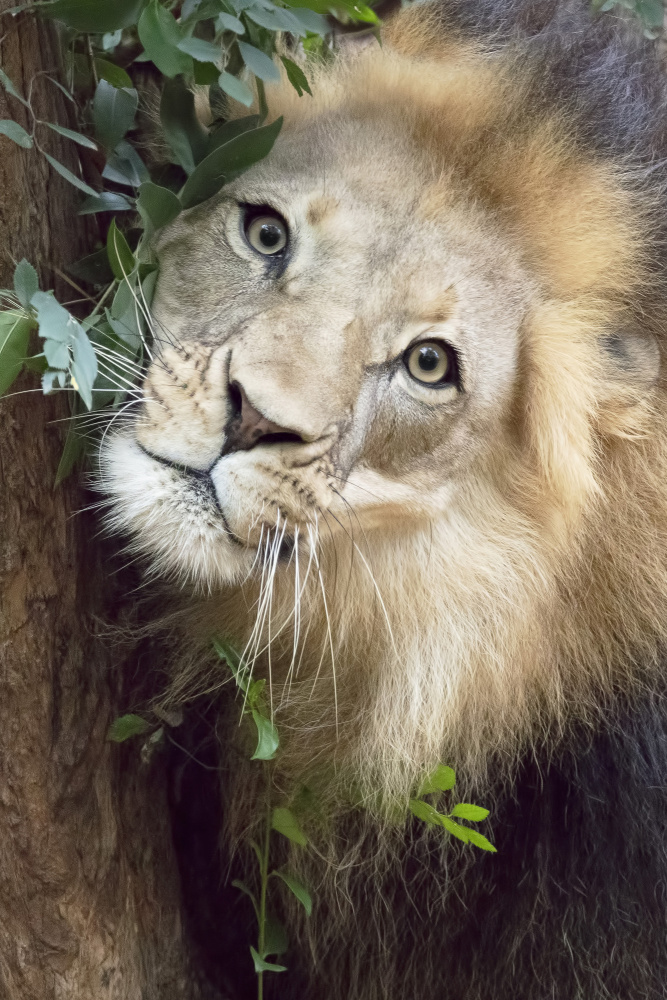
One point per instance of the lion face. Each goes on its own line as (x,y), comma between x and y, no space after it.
(329,347)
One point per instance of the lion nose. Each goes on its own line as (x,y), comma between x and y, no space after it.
(248,427)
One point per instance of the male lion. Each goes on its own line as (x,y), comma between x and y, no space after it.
(405,441)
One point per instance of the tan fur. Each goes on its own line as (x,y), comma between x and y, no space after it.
(482,575)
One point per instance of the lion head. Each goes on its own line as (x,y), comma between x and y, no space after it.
(403,427)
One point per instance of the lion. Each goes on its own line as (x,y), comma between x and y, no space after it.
(404,441)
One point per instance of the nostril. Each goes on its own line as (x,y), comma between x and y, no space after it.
(279,437)
(235,400)
(248,427)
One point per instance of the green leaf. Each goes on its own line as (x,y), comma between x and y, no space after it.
(125,726)
(236,89)
(230,130)
(296,77)
(14,335)
(226,652)
(259,63)
(262,966)
(69,176)
(113,74)
(425,812)
(456,830)
(15,132)
(241,5)
(82,140)
(254,693)
(227,22)
(55,323)
(148,287)
(275,19)
(267,737)
(199,10)
(121,257)
(284,821)
(157,205)
(464,810)
(105,201)
(312,21)
(73,450)
(244,888)
(651,12)
(83,370)
(94,16)
(184,132)
(26,282)
(298,890)
(227,162)
(200,50)
(11,89)
(57,354)
(49,377)
(441,780)
(480,841)
(125,166)
(114,109)
(160,34)
(205,74)
(111,39)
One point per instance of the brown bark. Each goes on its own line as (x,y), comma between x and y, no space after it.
(89,896)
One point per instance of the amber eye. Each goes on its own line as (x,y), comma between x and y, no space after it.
(429,362)
(267,234)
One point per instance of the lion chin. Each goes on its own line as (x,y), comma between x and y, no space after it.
(403,440)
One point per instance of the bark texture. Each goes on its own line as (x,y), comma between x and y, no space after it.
(89,892)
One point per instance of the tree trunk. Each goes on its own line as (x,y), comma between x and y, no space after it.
(89,891)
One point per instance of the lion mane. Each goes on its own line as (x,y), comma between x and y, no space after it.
(520,638)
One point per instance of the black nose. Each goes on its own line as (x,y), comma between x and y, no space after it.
(248,427)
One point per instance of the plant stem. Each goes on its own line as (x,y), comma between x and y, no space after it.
(264,879)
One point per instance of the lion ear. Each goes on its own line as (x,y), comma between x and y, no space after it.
(632,357)
(631,368)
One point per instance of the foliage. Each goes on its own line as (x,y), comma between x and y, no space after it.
(231,49)
(284,819)
(650,13)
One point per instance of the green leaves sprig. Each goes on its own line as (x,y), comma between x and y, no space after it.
(442,780)
(271,935)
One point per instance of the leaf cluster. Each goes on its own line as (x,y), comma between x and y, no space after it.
(229,47)
(442,780)
(272,937)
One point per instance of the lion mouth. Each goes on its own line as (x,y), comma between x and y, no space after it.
(201,488)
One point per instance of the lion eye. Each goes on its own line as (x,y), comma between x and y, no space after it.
(267,234)
(429,362)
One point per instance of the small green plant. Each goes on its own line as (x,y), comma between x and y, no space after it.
(442,780)
(272,939)
(280,819)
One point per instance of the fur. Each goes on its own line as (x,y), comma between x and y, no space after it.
(478,578)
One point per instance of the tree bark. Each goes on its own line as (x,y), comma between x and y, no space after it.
(89,891)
